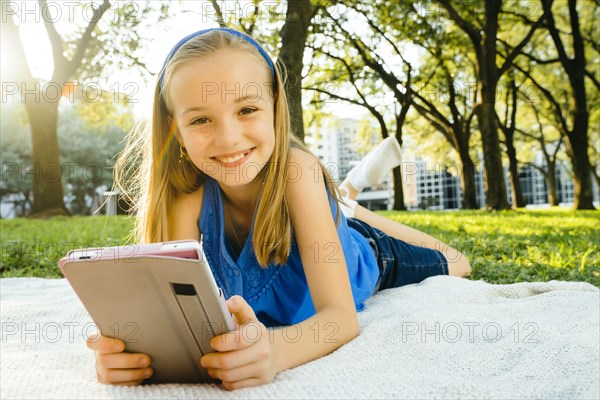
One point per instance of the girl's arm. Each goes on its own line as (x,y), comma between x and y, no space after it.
(184,215)
(252,355)
(335,322)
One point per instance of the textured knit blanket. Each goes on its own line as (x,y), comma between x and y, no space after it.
(443,338)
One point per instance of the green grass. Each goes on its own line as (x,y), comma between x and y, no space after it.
(32,247)
(503,247)
(518,246)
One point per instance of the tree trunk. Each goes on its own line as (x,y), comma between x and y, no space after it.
(398,190)
(582,182)
(42,110)
(576,138)
(515,183)
(550,176)
(495,194)
(47,172)
(467,181)
(293,40)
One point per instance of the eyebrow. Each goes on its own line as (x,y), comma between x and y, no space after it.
(238,100)
(248,96)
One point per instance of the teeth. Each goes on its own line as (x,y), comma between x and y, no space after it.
(228,160)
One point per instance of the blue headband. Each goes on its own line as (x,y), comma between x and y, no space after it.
(228,30)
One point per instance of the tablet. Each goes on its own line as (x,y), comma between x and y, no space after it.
(159,298)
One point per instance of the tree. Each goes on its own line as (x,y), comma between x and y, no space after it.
(455,126)
(294,33)
(17,174)
(444,94)
(72,59)
(509,126)
(550,151)
(483,37)
(577,134)
(572,111)
(396,80)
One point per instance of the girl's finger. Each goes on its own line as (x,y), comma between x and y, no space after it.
(241,310)
(105,344)
(123,375)
(230,359)
(235,374)
(123,360)
(243,337)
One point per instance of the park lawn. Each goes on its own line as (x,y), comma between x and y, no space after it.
(503,247)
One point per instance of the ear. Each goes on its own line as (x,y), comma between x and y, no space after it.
(171,121)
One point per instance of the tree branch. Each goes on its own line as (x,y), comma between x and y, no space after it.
(249,29)
(11,44)
(381,33)
(55,40)
(372,110)
(558,109)
(560,48)
(535,59)
(389,79)
(468,28)
(593,79)
(432,109)
(517,50)
(84,42)
(432,120)
(220,19)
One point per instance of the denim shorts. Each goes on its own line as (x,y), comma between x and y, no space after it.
(400,263)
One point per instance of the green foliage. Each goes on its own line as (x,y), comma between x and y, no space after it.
(117,39)
(15,153)
(88,151)
(503,247)
(90,136)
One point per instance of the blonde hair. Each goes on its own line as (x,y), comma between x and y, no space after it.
(150,175)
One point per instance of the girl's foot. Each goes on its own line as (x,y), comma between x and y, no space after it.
(374,167)
(369,172)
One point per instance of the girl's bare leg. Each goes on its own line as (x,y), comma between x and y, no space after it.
(458,264)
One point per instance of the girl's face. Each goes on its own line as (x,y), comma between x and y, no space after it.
(223,108)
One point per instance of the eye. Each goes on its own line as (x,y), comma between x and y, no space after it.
(248,110)
(199,121)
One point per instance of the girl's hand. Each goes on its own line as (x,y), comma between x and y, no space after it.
(116,367)
(245,356)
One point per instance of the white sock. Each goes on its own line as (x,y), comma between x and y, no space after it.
(349,206)
(374,167)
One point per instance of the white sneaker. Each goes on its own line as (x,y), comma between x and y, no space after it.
(374,167)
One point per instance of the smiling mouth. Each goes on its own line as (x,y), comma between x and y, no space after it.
(234,159)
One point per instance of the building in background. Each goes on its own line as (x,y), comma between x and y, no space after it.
(427,185)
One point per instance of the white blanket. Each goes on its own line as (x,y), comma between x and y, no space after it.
(444,338)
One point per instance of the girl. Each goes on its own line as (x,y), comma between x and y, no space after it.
(219,160)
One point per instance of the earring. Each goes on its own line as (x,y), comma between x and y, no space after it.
(182,154)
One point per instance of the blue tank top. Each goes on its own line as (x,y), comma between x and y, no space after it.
(278,294)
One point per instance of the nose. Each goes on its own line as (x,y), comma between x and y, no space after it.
(228,133)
